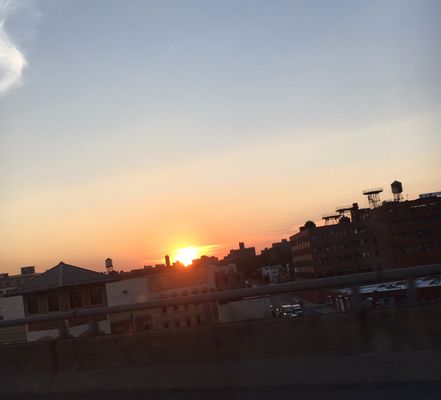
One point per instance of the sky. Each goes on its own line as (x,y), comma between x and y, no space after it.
(132,129)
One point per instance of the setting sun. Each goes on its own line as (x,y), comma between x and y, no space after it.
(186,255)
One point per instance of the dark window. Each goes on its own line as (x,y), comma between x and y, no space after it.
(188,322)
(33,307)
(76,299)
(177,323)
(176,308)
(166,325)
(164,310)
(53,304)
(198,319)
(96,296)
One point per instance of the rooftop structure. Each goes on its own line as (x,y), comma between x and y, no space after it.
(373,196)
(62,275)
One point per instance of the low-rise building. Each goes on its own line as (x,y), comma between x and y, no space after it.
(12,307)
(227,277)
(247,309)
(244,258)
(10,282)
(62,288)
(275,273)
(166,285)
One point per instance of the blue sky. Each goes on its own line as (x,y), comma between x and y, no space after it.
(261,114)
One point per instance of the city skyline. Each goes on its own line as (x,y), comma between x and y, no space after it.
(133,131)
(186,255)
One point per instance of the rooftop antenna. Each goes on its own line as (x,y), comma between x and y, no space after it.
(397,190)
(373,196)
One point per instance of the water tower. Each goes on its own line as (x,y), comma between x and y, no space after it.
(331,218)
(373,196)
(397,190)
(109,265)
(343,210)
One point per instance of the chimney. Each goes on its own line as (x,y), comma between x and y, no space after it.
(354,212)
(241,245)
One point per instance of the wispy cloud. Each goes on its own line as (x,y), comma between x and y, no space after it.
(12,60)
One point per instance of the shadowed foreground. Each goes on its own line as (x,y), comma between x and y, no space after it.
(353,355)
(379,391)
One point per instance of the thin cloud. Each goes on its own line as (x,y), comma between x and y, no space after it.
(12,60)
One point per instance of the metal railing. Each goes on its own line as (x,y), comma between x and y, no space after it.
(352,281)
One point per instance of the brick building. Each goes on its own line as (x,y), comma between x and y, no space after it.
(409,231)
(244,258)
(347,247)
(393,235)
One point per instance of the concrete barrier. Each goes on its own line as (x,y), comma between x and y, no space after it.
(381,346)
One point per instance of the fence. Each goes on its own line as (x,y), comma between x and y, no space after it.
(352,281)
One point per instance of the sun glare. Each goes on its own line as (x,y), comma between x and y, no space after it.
(186,255)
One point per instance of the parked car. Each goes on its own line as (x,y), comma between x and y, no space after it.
(288,310)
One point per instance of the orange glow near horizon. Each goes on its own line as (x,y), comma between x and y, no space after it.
(186,255)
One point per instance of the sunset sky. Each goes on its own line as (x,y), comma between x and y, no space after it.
(130,129)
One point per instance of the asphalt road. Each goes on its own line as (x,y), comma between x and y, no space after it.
(389,391)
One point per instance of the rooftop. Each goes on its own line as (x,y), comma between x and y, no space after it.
(62,275)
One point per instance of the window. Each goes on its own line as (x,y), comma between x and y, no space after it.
(33,307)
(96,296)
(198,319)
(53,303)
(76,299)
(177,323)
(164,310)
(166,325)
(188,321)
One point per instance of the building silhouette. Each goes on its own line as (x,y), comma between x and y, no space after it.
(395,234)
